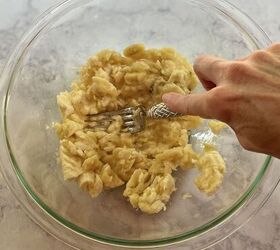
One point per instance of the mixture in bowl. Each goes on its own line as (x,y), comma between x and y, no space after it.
(143,162)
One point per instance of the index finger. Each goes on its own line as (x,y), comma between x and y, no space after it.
(194,104)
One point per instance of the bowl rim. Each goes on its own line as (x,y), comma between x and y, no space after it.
(31,202)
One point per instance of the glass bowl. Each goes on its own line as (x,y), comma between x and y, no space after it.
(44,63)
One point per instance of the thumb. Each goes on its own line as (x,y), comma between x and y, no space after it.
(194,104)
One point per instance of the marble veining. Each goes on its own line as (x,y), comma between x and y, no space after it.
(17,231)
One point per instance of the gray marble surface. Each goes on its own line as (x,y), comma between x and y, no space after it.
(17,231)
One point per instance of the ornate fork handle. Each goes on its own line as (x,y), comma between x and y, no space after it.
(160,110)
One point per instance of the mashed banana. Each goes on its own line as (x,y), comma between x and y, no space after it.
(211,167)
(143,162)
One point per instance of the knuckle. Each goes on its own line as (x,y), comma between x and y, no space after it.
(216,64)
(260,55)
(218,94)
(274,47)
(212,101)
(235,70)
(220,103)
(186,105)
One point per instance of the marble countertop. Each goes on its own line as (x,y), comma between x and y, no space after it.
(17,231)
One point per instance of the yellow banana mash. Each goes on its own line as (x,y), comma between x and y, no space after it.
(143,162)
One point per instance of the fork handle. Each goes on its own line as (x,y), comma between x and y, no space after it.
(160,110)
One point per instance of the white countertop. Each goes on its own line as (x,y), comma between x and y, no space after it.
(17,231)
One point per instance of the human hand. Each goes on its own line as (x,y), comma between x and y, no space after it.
(243,93)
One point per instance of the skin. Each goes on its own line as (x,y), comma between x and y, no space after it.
(244,93)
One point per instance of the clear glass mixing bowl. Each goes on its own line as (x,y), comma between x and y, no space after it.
(44,63)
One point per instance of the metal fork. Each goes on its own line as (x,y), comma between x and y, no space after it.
(134,118)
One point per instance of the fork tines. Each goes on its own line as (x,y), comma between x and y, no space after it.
(103,120)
